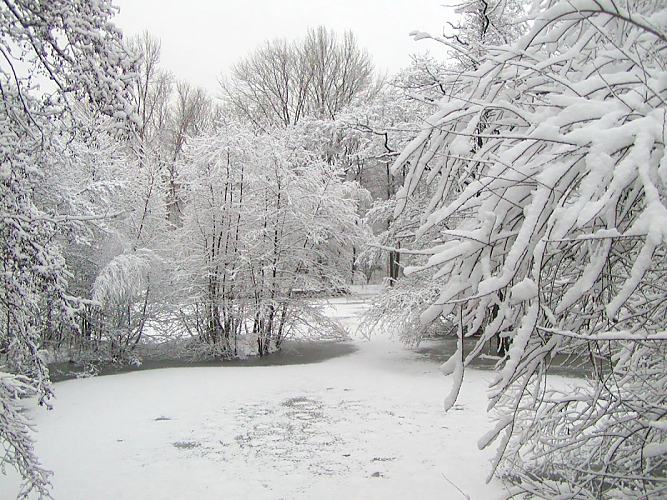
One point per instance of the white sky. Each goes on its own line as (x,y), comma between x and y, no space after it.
(201,39)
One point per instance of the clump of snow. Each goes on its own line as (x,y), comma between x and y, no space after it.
(524,290)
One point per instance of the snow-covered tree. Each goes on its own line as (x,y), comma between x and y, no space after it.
(284,81)
(73,50)
(556,241)
(265,222)
(376,129)
(481,23)
(129,287)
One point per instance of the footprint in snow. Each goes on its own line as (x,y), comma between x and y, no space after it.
(186,445)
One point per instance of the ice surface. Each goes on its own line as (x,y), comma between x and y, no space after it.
(366,425)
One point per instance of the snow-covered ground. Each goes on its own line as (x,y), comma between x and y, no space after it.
(365,425)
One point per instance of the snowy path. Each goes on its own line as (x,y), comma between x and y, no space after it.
(366,425)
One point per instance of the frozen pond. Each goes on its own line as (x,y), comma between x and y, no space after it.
(364,421)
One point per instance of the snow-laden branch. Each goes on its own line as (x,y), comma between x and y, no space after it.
(559,233)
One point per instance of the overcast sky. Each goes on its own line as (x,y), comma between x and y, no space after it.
(202,38)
